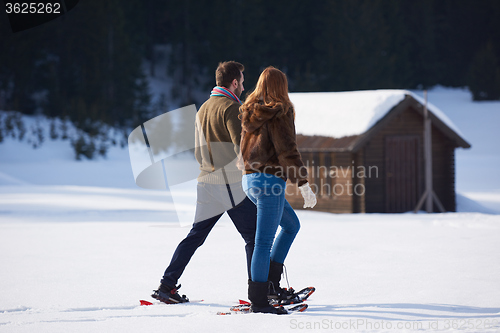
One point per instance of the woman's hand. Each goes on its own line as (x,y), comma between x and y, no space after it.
(308,195)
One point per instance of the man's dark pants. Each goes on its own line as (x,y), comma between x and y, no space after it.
(214,198)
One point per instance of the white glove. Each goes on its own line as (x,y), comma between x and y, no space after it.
(309,196)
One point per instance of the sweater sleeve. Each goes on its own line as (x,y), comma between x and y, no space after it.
(197,142)
(282,134)
(233,125)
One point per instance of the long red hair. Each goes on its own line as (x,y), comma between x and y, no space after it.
(271,92)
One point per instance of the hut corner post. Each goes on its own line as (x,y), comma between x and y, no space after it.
(429,196)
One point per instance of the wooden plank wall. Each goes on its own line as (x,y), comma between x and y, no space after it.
(408,122)
(359,186)
(336,194)
(333,189)
(402,159)
(443,170)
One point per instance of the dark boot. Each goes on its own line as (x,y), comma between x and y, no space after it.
(257,294)
(275,291)
(169,295)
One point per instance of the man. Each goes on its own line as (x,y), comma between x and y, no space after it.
(219,189)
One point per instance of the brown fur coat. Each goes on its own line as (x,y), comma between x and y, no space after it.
(268,144)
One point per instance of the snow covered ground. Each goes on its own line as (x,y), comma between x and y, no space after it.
(81,244)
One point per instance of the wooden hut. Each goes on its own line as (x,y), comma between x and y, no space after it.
(364,151)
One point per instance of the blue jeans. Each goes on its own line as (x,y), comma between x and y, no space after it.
(268,193)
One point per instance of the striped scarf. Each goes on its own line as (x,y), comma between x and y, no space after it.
(221,91)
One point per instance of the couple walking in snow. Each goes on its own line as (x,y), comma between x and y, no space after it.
(257,139)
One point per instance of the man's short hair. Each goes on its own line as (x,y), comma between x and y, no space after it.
(227,71)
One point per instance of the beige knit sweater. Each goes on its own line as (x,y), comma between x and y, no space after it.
(218,137)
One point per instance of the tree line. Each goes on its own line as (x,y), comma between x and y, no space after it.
(87,66)
(340,45)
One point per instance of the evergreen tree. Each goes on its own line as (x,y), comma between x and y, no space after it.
(88,63)
(484,78)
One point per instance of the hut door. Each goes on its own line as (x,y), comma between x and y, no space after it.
(401,164)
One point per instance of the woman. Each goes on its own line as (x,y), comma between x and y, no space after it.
(270,157)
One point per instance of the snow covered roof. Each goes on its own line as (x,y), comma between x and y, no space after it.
(340,114)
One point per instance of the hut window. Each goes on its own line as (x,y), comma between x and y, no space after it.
(316,172)
(329,176)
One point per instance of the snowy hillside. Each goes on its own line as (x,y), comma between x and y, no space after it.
(81,244)
(38,151)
